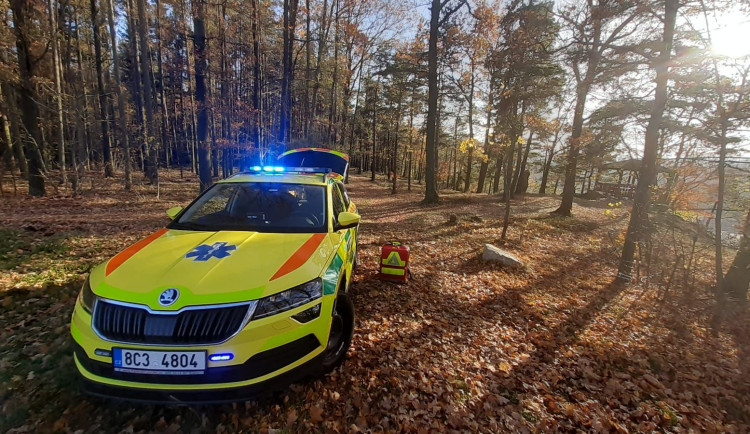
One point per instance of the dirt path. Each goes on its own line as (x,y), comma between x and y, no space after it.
(465,345)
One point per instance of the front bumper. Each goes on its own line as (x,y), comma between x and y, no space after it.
(268,354)
(169,395)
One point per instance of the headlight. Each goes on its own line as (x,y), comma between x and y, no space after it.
(87,297)
(289,299)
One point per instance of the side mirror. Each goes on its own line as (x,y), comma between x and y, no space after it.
(172,212)
(348,220)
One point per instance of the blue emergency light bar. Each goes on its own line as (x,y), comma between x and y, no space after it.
(281,169)
(267,169)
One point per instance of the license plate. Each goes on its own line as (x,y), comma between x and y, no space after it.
(159,362)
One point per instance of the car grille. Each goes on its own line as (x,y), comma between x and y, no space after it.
(195,327)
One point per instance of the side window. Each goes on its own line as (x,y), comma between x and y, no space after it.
(344,194)
(338,203)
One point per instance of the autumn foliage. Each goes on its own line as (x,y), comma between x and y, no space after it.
(465,345)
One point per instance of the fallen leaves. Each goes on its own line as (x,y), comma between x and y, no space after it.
(465,346)
(316,414)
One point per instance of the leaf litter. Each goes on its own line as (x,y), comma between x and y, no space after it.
(464,346)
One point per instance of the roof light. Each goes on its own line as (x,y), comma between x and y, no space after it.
(282,169)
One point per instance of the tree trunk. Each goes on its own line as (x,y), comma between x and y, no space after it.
(7,140)
(583,86)
(32,138)
(103,94)
(637,228)
(152,171)
(548,162)
(470,104)
(122,116)
(308,59)
(8,95)
(498,171)
(507,183)
(323,28)
(257,100)
(569,185)
(467,180)
(431,149)
(287,78)
(486,161)
(56,72)
(721,292)
(332,111)
(162,97)
(351,132)
(135,77)
(83,142)
(374,132)
(394,162)
(519,185)
(737,279)
(199,39)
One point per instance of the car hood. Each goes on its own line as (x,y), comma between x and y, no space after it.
(211,267)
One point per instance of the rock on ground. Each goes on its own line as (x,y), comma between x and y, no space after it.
(495,254)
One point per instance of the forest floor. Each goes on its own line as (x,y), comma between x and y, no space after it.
(465,345)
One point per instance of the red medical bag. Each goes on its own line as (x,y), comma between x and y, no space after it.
(394,263)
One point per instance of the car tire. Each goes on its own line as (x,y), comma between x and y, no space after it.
(340,336)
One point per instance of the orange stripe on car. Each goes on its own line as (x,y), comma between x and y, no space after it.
(123,256)
(301,256)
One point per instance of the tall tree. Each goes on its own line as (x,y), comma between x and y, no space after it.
(471,49)
(201,65)
(526,76)
(152,170)
(122,116)
(440,12)
(324,26)
(27,62)
(594,28)
(257,100)
(287,78)
(102,90)
(637,226)
(56,73)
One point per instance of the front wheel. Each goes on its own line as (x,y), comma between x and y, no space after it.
(340,336)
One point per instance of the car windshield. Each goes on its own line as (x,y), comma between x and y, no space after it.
(257,206)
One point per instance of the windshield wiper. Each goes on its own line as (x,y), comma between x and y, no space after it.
(188,226)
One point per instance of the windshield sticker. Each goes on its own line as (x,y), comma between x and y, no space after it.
(204,252)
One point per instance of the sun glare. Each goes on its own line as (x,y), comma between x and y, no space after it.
(730,36)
